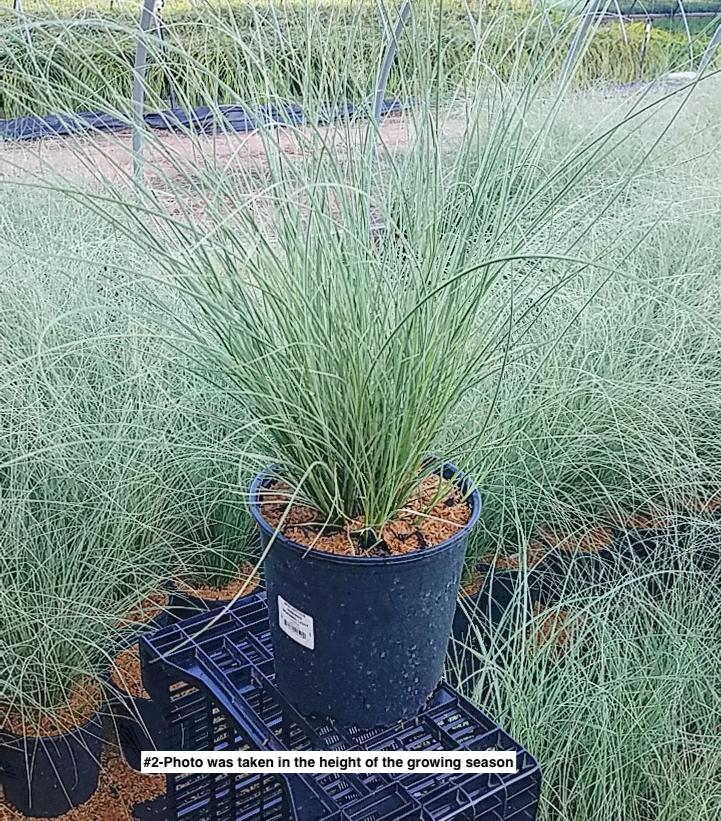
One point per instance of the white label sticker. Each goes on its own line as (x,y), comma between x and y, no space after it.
(294,623)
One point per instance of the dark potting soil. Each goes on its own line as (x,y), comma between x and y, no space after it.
(435,513)
(226,593)
(119,789)
(126,675)
(146,610)
(84,702)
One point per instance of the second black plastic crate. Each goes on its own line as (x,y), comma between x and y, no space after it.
(212,678)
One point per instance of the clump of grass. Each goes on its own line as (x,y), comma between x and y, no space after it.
(219,537)
(617,694)
(84,502)
(351,358)
(609,408)
(117,471)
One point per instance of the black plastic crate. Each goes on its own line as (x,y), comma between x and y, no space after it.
(212,678)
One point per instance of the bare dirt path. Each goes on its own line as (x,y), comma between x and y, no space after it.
(107,158)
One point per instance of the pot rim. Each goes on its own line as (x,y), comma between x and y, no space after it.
(9,739)
(474,499)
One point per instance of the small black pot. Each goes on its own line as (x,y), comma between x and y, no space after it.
(487,608)
(360,640)
(480,617)
(47,776)
(138,723)
(707,557)
(648,544)
(167,616)
(161,620)
(660,553)
(563,574)
(567,574)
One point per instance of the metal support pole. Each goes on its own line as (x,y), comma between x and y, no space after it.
(711,48)
(389,57)
(160,31)
(578,46)
(140,66)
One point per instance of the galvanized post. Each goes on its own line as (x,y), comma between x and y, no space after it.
(140,65)
(578,45)
(389,57)
(711,48)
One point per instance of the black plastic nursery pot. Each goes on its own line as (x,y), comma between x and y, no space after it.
(650,543)
(652,552)
(155,809)
(139,727)
(163,619)
(47,776)
(166,616)
(486,614)
(136,720)
(656,552)
(361,640)
(571,571)
(564,574)
(486,609)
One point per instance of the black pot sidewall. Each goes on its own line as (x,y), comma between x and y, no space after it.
(380,626)
(47,776)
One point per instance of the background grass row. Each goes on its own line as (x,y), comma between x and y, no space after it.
(214,53)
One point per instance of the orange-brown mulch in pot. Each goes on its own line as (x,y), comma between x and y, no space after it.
(554,627)
(435,513)
(119,789)
(593,540)
(472,583)
(84,702)
(126,674)
(643,520)
(230,591)
(146,610)
(713,503)
(535,554)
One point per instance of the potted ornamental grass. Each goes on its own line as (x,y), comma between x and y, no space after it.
(350,352)
(218,560)
(66,609)
(83,497)
(59,611)
(350,356)
(51,698)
